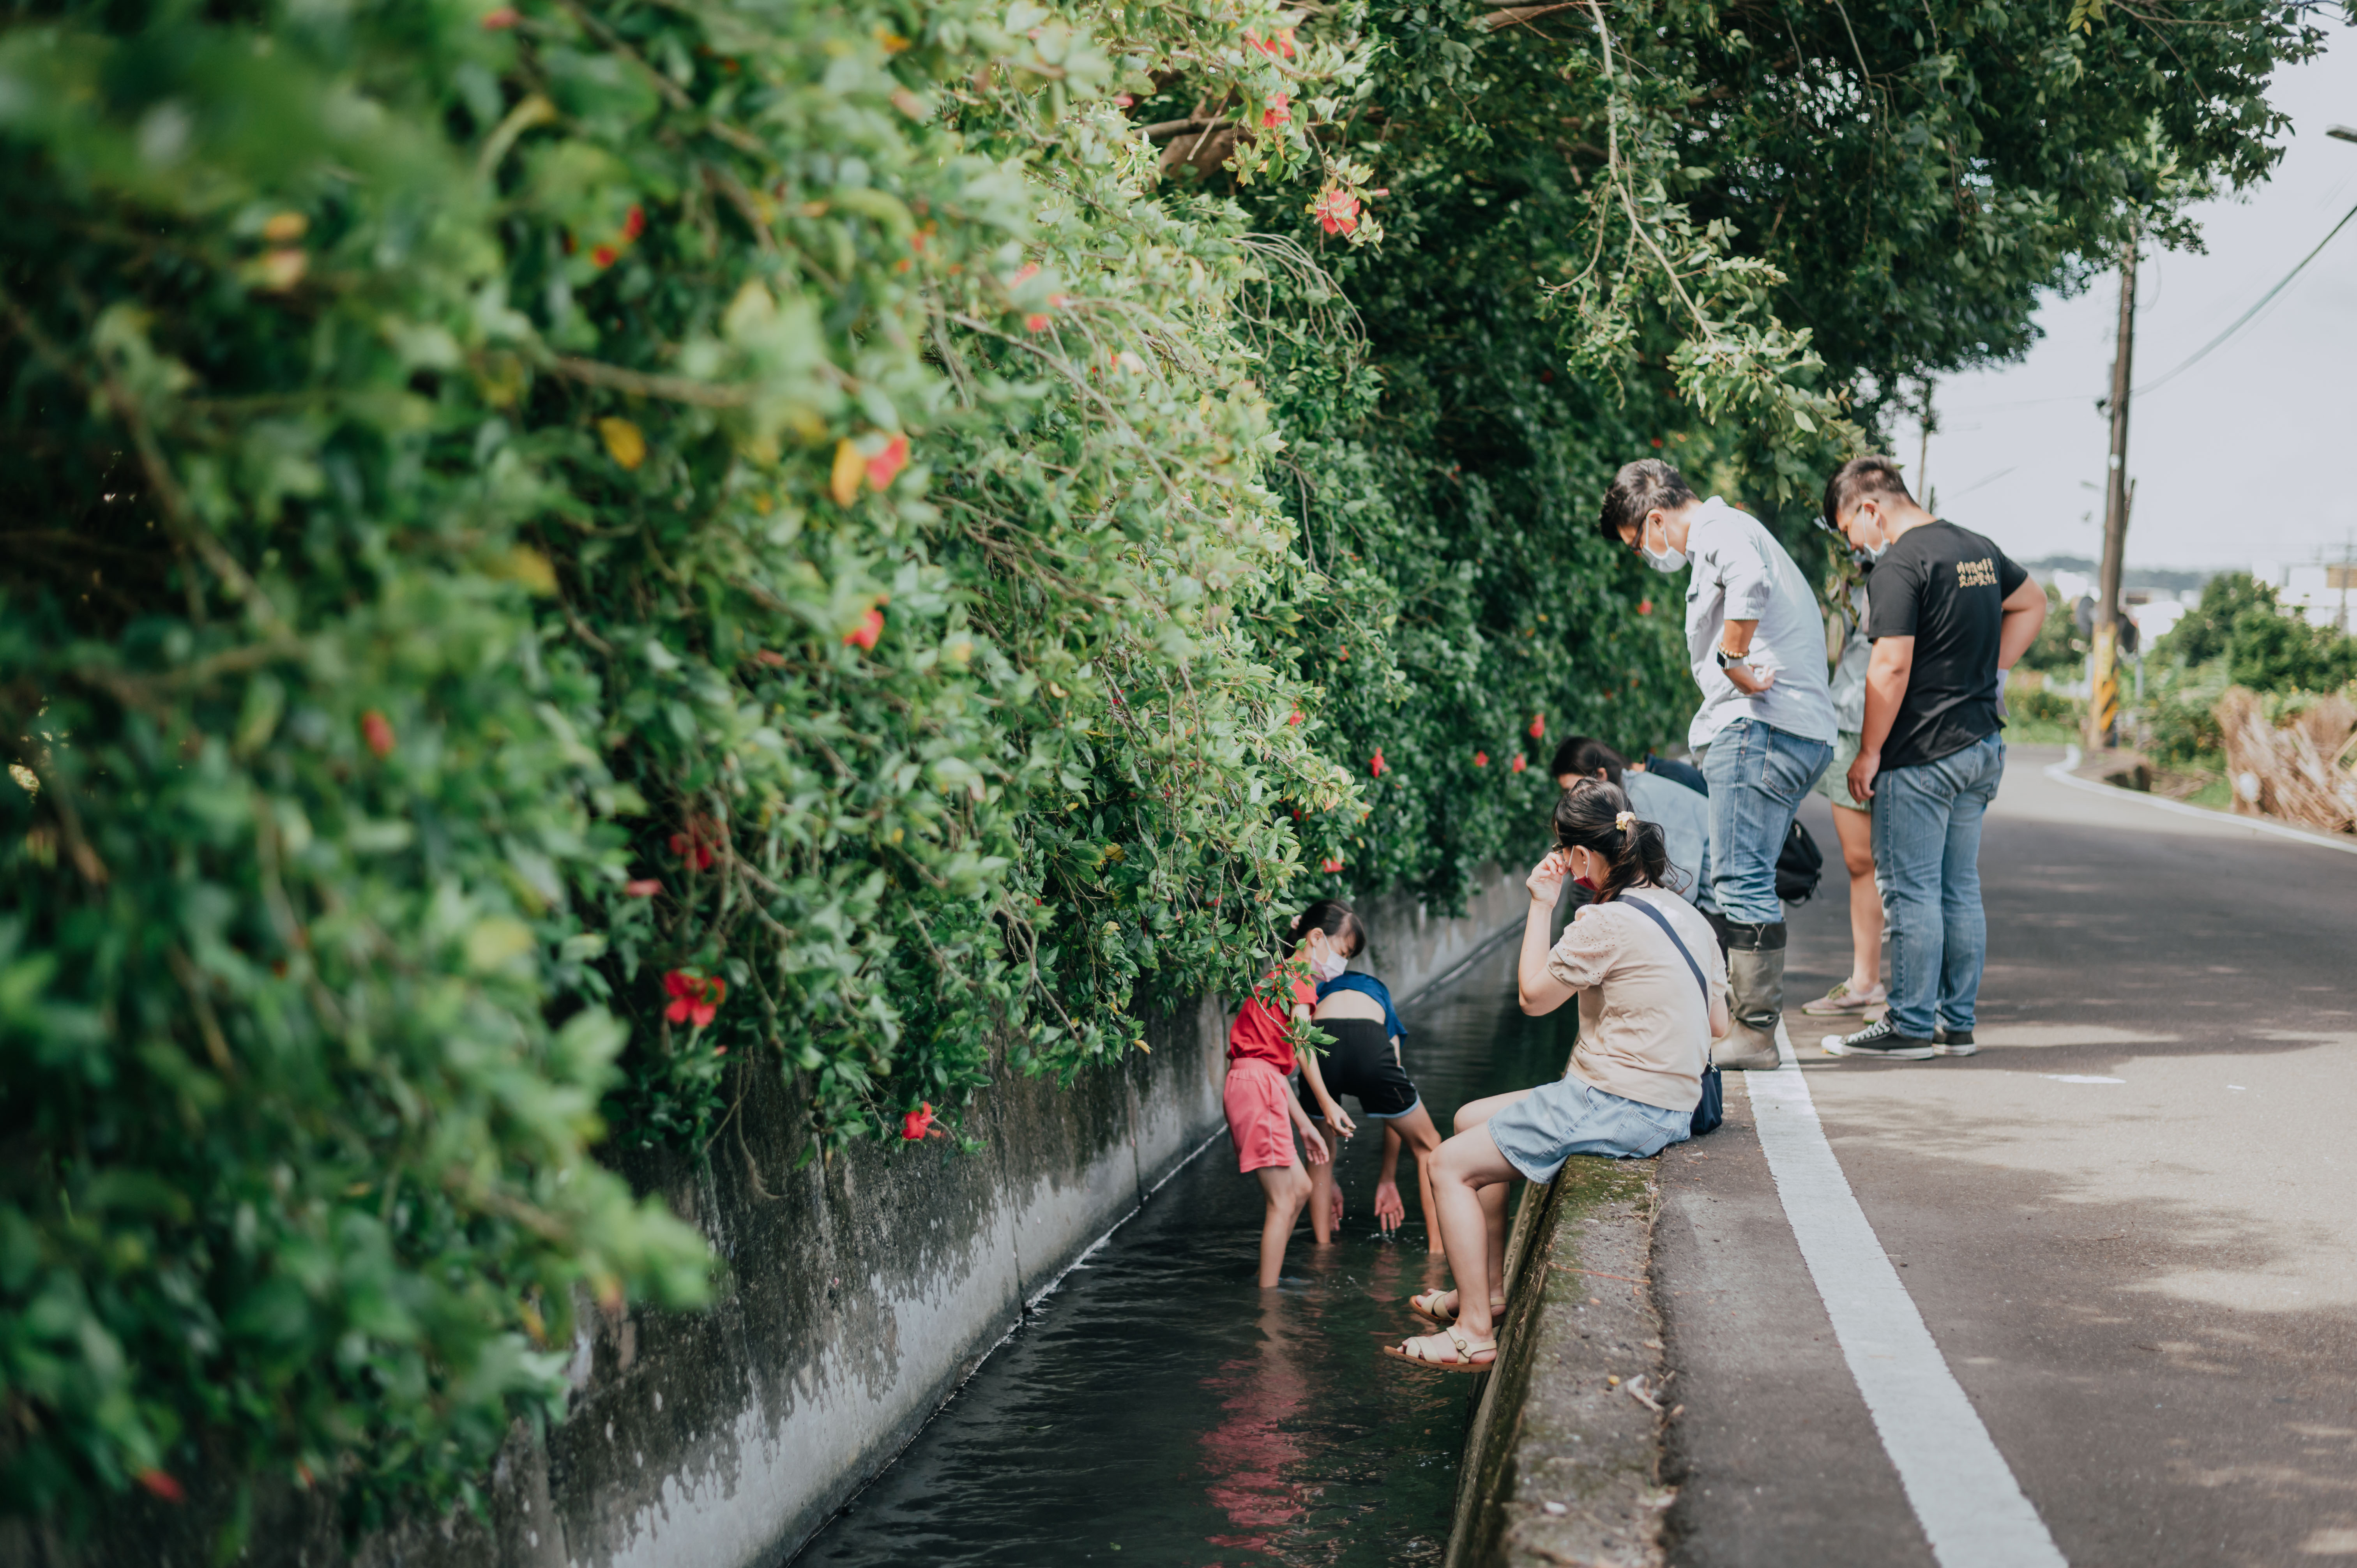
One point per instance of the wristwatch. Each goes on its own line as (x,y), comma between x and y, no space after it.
(1725,659)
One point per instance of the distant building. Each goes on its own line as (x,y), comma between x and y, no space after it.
(2321,593)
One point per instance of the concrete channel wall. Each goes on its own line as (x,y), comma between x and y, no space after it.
(861,1292)
(1563,1457)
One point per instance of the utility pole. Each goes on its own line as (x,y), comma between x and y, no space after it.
(2102,665)
(1923,453)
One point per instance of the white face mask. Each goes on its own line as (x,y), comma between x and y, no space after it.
(1662,561)
(1874,552)
(1330,967)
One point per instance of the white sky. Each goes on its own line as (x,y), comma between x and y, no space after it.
(2242,460)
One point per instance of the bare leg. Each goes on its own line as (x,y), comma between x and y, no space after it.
(1321,1189)
(1288,1189)
(1416,1129)
(1470,1170)
(1856,831)
(1468,1117)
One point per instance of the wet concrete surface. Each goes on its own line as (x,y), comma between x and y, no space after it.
(1160,1409)
(2143,1279)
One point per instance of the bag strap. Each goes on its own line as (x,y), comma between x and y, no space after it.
(1662,921)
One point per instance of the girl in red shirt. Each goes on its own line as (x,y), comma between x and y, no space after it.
(1262,1112)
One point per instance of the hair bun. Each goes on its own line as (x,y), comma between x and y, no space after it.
(1625,820)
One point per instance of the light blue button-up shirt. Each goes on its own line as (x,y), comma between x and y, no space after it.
(1740,573)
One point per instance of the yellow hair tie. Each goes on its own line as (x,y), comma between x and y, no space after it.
(1625,820)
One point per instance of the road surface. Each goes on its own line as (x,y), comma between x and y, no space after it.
(2129,1223)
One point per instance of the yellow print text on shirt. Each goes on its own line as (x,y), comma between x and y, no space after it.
(1981,573)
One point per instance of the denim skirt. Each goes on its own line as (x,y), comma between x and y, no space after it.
(1555,1121)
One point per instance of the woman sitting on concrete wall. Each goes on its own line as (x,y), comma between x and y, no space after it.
(1645,1029)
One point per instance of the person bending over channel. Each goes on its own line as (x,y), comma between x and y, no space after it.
(1365,1061)
(1262,1112)
(1765,730)
(1652,997)
(1683,810)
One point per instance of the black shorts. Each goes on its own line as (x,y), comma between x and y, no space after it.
(1361,1063)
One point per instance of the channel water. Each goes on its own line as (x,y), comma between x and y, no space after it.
(1159,1409)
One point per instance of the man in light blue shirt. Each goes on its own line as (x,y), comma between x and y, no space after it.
(1765,732)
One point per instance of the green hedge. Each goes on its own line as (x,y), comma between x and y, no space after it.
(559,557)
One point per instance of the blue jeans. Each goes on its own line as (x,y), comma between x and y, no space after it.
(1759,776)
(1927,851)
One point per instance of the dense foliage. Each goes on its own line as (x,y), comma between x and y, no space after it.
(560,557)
(2241,625)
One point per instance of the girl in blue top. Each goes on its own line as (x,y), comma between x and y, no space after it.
(1356,1009)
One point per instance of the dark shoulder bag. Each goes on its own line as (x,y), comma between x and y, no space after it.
(1712,1108)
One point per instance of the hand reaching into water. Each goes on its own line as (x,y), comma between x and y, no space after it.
(1390,1212)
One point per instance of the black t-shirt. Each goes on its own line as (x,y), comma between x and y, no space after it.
(1945,587)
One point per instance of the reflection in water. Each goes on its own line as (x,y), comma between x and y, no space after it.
(1162,1409)
(1246,1454)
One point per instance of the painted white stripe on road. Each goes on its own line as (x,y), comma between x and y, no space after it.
(1970,1506)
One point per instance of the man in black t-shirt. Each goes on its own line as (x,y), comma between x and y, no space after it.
(1949,614)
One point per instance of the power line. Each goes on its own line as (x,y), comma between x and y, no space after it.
(2243,320)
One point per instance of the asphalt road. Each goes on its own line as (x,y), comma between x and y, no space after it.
(2148,1289)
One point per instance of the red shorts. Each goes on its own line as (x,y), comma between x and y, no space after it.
(1256,1097)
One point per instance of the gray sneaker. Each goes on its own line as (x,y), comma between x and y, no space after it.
(1947,1042)
(1878,1039)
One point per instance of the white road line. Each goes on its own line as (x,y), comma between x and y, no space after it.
(1970,1506)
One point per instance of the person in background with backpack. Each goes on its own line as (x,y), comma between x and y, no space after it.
(1948,614)
(1652,990)
(1765,732)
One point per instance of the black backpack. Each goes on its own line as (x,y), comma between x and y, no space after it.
(1799,866)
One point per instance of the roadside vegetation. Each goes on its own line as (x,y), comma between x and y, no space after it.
(558,557)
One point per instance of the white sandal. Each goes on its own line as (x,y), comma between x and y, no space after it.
(1410,1351)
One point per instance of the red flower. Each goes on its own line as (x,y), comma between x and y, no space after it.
(917,1122)
(377,733)
(1295,718)
(774,660)
(1278,113)
(1330,866)
(603,256)
(1538,726)
(695,998)
(163,1485)
(1377,766)
(693,847)
(634,223)
(883,468)
(1337,210)
(864,634)
(1480,760)
(1644,607)
(642,887)
(1035,322)
(1518,764)
(500,20)
(1277,46)
(1657,441)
